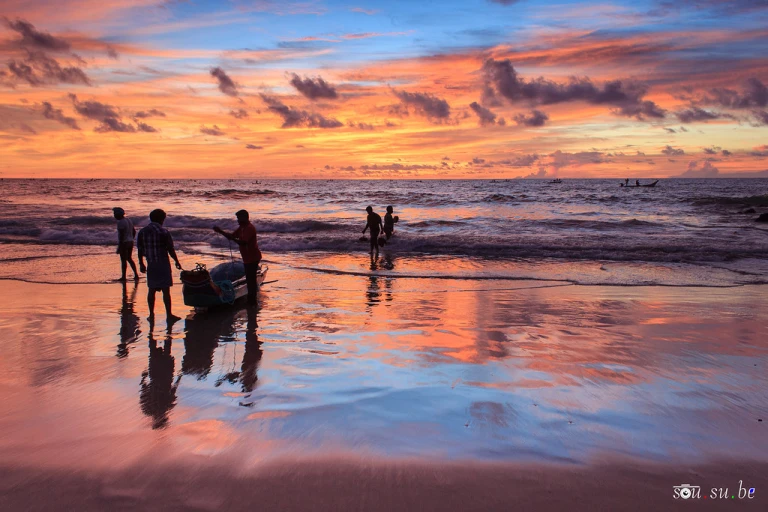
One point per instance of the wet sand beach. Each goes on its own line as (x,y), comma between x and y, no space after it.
(374,392)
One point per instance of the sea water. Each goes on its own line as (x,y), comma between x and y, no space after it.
(681,232)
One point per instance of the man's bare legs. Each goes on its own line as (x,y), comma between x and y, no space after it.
(170,317)
(124,262)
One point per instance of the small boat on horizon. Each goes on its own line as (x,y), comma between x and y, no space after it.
(639,186)
(556,180)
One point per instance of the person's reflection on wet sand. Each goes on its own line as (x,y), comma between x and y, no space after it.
(253,352)
(251,357)
(158,389)
(389,264)
(129,322)
(204,332)
(202,335)
(372,294)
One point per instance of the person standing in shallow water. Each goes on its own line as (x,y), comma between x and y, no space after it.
(389,222)
(245,236)
(155,243)
(374,222)
(125,234)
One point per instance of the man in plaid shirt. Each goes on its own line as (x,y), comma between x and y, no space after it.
(155,244)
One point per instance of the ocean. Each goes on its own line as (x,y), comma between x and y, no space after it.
(681,232)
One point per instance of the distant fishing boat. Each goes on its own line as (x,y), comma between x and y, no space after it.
(556,180)
(639,186)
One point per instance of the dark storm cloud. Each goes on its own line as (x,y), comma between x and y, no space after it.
(428,105)
(143,127)
(522,161)
(486,117)
(214,130)
(226,85)
(711,151)
(670,151)
(56,114)
(93,109)
(114,124)
(295,118)
(640,110)
(31,37)
(361,126)
(501,80)
(240,113)
(142,114)
(39,69)
(398,110)
(314,88)
(695,114)
(725,152)
(761,116)
(754,94)
(109,117)
(536,118)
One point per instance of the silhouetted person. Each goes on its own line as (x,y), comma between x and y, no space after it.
(125,234)
(158,389)
(626,182)
(129,322)
(374,222)
(155,244)
(245,236)
(389,222)
(637,183)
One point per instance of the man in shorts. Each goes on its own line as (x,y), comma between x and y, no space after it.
(155,244)
(374,222)
(245,236)
(125,234)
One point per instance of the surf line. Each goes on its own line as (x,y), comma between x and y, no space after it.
(424,276)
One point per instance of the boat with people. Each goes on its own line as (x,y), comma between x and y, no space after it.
(556,180)
(624,185)
(221,286)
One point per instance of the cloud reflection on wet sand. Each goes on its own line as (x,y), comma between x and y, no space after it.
(339,364)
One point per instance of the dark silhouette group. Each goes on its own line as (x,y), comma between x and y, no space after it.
(376,226)
(155,245)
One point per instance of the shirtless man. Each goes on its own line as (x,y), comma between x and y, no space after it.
(374,222)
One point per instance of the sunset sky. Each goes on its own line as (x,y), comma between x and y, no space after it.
(396,89)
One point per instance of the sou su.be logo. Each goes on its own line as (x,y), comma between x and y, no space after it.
(686,491)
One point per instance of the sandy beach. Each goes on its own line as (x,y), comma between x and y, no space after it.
(344,391)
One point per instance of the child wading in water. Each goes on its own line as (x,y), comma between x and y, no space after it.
(389,222)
